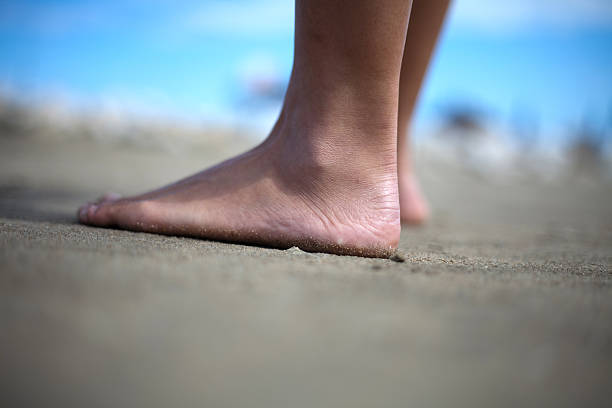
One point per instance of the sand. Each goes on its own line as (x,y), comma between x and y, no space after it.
(504,299)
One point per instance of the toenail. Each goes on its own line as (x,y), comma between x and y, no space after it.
(83,213)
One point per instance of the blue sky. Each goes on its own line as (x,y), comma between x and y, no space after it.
(549,60)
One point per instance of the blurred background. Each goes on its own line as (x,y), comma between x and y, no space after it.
(527,79)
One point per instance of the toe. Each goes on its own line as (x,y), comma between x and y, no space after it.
(124,213)
(97,214)
(101,215)
(89,213)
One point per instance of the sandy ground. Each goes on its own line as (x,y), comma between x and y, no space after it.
(504,299)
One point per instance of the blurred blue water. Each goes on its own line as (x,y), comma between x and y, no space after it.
(196,58)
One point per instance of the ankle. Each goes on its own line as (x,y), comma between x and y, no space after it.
(303,144)
(341,125)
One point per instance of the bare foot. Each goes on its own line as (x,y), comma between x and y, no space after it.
(413,206)
(326,177)
(283,193)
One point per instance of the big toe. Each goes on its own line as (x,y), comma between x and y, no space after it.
(98,214)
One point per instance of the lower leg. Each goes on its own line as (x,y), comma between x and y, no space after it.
(326,177)
(426,19)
